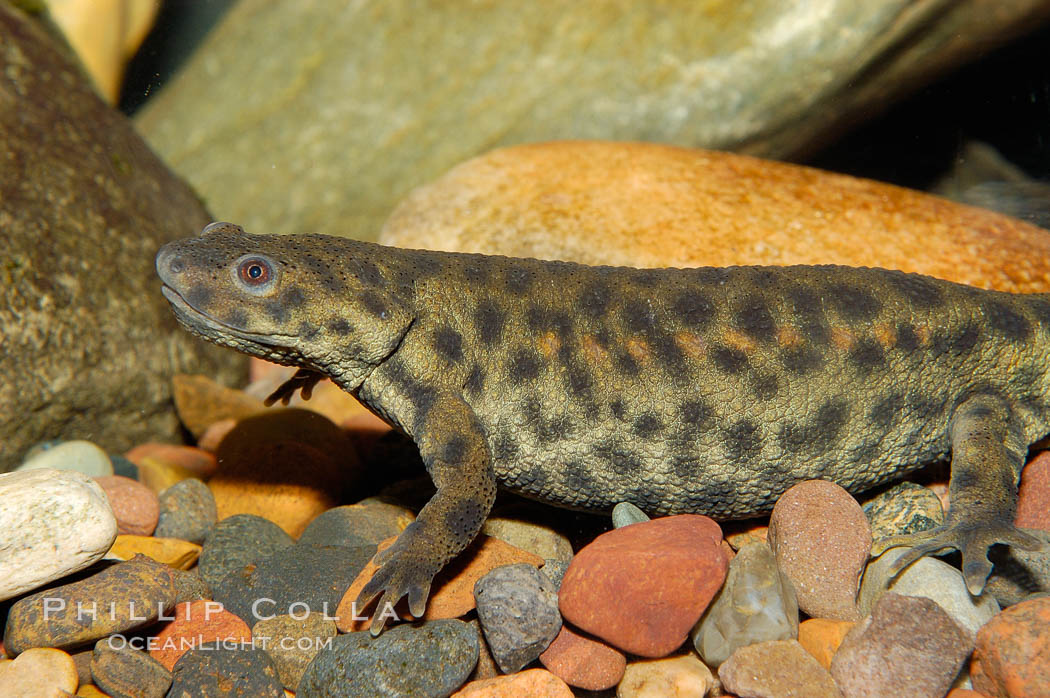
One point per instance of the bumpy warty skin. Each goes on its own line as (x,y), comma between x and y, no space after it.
(708,390)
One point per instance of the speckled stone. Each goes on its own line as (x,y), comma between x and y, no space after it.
(441,655)
(54,523)
(583,662)
(518,610)
(80,456)
(38,672)
(1012,657)
(555,571)
(187,511)
(293,642)
(124,672)
(821,540)
(776,669)
(226,671)
(238,541)
(534,683)
(371,519)
(625,514)
(194,624)
(134,504)
(1033,494)
(189,586)
(907,646)
(310,577)
(902,509)
(126,595)
(756,604)
(643,587)
(673,677)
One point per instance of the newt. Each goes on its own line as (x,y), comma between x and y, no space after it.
(702,390)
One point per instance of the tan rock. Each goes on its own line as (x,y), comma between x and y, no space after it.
(651,205)
(135,505)
(159,475)
(776,668)
(535,683)
(822,636)
(91,691)
(671,677)
(196,460)
(39,672)
(201,402)
(176,553)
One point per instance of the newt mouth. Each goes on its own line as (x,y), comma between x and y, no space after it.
(214,329)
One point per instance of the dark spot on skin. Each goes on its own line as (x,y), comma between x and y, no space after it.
(475,273)
(685,466)
(618,409)
(669,354)
(519,279)
(464,518)
(308,331)
(1040,307)
(577,477)
(198,297)
(647,277)
(523,366)
(489,320)
(577,377)
(455,450)
(293,297)
(626,363)
(765,385)
(449,344)
(695,415)
(373,303)
(534,480)
(340,326)
(764,277)
(817,434)
(867,354)
(541,319)
(907,340)
(799,360)
(237,317)
(887,411)
(617,457)
(366,271)
(853,303)
(805,302)
(504,447)
(713,276)
(920,291)
(647,425)
(547,430)
(475,382)
(639,316)
(595,299)
(1007,321)
(965,339)
(922,408)
(603,337)
(420,395)
(728,359)
(277,310)
(867,453)
(742,441)
(694,309)
(755,320)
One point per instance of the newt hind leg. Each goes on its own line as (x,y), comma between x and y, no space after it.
(988,452)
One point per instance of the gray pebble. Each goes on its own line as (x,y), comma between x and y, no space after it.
(223,670)
(187,511)
(555,571)
(189,586)
(242,539)
(122,466)
(518,610)
(293,642)
(124,672)
(625,514)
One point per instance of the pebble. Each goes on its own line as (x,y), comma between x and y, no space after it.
(196,623)
(212,437)
(240,540)
(201,401)
(1012,657)
(173,552)
(134,504)
(518,610)
(159,475)
(643,587)
(907,646)
(125,596)
(189,586)
(82,661)
(535,538)
(289,465)
(301,578)
(227,672)
(583,662)
(756,604)
(124,467)
(1033,494)
(369,521)
(293,642)
(625,514)
(486,667)
(54,523)
(776,669)
(122,671)
(823,562)
(1017,574)
(91,691)
(187,511)
(904,508)
(79,456)
(821,637)
(555,571)
(196,460)
(673,677)
(441,654)
(930,578)
(738,535)
(535,683)
(41,671)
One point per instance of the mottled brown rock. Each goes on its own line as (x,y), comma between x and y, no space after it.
(582,661)
(196,623)
(652,205)
(120,670)
(292,642)
(201,401)
(642,587)
(124,596)
(821,539)
(535,683)
(134,504)
(780,668)
(89,343)
(1012,657)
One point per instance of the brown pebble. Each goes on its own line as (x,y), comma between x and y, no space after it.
(1012,657)
(776,668)
(535,683)
(196,460)
(196,623)
(134,505)
(582,661)
(1033,495)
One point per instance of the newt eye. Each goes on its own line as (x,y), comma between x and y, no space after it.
(256,274)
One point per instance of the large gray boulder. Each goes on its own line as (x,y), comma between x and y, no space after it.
(87,343)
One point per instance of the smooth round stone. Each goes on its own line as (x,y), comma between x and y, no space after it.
(80,456)
(673,677)
(534,537)
(293,642)
(134,504)
(40,671)
(534,683)
(518,610)
(55,522)
(582,661)
(1012,650)
(196,623)
(186,511)
(121,670)
(207,671)
(904,508)
(1033,494)
(625,514)
(368,521)
(431,659)
(776,668)
(237,541)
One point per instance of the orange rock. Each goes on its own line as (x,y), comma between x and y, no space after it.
(642,587)
(159,475)
(195,623)
(198,461)
(583,662)
(822,636)
(201,402)
(135,505)
(348,613)
(176,553)
(964,693)
(651,205)
(452,594)
(1033,496)
(1012,657)
(91,691)
(739,534)
(536,683)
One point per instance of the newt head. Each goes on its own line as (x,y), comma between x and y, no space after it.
(313,301)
